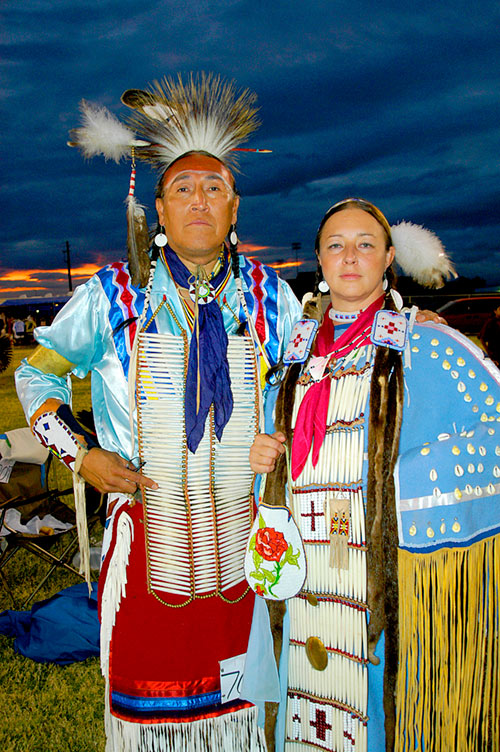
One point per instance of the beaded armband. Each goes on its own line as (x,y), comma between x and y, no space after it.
(54,433)
(300,342)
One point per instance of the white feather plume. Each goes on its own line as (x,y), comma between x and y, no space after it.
(102,133)
(421,255)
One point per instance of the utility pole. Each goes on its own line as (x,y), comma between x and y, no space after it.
(296,248)
(68,260)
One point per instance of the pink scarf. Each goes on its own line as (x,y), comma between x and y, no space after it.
(310,427)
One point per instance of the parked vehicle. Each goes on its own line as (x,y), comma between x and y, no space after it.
(468,315)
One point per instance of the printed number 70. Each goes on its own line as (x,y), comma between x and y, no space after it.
(236,685)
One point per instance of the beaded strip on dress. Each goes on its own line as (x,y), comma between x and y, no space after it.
(327,709)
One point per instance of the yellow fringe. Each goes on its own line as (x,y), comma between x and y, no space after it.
(449,650)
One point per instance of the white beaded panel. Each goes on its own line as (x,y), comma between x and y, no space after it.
(204,482)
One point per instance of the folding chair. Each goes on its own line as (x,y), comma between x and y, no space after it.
(41,500)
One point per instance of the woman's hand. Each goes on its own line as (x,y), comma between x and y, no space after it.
(109,473)
(425,315)
(265,451)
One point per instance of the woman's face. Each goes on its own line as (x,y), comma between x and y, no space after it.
(353,258)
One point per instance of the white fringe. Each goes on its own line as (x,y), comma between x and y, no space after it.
(81,517)
(114,587)
(232,732)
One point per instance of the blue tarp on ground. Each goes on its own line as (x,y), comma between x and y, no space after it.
(62,629)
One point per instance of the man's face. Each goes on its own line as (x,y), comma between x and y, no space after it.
(197,207)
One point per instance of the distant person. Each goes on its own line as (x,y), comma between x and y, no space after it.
(490,336)
(3,325)
(18,331)
(29,326)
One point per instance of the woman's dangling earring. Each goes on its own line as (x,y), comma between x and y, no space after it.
(385,282)
(233,238)
(323,286)
(160,238)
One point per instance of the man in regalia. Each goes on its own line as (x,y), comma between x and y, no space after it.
(176,341)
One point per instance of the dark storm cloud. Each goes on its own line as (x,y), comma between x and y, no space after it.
(398,104)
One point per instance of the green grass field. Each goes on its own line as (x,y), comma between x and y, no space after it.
(45,707)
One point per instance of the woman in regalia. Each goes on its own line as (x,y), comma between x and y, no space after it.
(386,451)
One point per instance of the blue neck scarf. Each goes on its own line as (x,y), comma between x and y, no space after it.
(208,381)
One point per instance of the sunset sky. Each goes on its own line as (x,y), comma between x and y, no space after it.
(393,101)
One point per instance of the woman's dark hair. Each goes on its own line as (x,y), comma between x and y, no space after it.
(356,203)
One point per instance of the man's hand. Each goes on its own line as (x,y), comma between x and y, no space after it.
(435,318)
(109,472)
(265,451)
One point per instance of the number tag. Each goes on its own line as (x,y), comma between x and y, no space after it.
(231,677)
